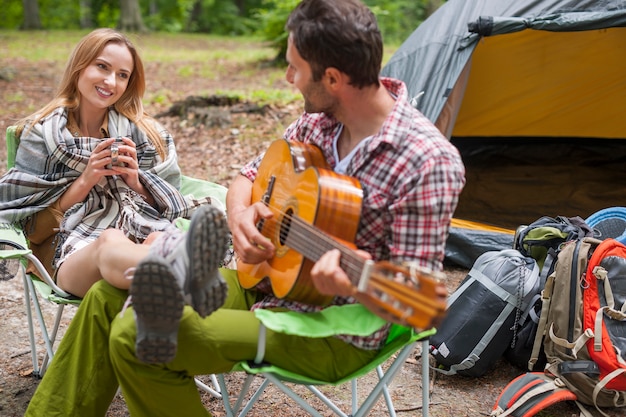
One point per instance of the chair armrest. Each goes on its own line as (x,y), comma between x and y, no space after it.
(14,245)
(198,189)
(13,250)
(12,235)
(6,253)
(201,188)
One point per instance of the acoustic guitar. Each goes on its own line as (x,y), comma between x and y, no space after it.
(316,210)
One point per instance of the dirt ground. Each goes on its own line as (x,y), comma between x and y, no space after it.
(214,150)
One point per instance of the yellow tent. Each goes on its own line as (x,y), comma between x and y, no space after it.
(533,94)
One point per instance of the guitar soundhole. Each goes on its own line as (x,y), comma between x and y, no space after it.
(285,226)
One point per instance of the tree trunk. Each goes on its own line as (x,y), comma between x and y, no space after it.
(241,6)
(31,15)
(86,14)
(130,17)
(196,10)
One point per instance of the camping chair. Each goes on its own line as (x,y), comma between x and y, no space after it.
(352,319)
(15,254)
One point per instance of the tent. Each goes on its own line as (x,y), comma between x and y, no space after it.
(533,94)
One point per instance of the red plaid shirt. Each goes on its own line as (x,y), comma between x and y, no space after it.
(411,176)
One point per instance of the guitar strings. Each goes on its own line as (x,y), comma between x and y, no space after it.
(385,297)
(298,234)
(350,261)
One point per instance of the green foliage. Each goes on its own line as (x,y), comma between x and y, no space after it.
(396,18)
(59,14)
(221,17)
(107,16)
(165,15)
(11,14)
(272,17)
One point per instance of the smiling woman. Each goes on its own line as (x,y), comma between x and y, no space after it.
(71,198)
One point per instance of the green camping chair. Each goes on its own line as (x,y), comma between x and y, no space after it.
(15,254)
(352,319)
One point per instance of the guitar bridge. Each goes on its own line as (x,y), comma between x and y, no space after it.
(365,275)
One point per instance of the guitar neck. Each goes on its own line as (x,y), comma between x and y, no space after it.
(312,244)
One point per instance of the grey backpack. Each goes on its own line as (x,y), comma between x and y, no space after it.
(484,313)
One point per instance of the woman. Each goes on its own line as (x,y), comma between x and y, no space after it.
(95,176)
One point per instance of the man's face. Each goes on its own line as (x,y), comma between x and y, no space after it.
(316,98)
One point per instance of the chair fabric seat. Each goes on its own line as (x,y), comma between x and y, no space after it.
(353,319)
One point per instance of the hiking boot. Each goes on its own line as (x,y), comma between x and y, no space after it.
(181,268)
(158,304)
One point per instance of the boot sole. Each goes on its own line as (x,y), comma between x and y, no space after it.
(158,304)
(207,242)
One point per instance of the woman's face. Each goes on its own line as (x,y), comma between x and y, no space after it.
(105,79)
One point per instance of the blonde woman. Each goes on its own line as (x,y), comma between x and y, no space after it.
(96,177)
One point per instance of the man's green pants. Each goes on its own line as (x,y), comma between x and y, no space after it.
(98,350)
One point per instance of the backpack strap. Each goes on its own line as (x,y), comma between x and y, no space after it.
(574,346)
(548,265)
(530,393)
(620,400)
(546,298)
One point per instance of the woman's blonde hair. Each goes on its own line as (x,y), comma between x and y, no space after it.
(129,104)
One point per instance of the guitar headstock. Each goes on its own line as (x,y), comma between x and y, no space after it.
(408,296)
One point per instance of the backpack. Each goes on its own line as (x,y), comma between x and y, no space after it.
(582,330)
(541,240)
(483,312)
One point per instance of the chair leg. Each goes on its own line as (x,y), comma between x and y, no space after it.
(390,407)
(355,395)
(40,319)
(425,378)
(53,337)
(214,391)
(31,328)
(397,364)
(233,410)
(225,398)
(301,402)
(32,303)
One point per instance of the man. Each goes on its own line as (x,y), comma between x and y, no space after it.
(411,176)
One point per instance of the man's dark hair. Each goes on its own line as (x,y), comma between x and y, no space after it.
(338,33)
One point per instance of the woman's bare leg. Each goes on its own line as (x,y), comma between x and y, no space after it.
(106,258)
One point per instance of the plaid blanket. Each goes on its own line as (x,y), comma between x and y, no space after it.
(50,158)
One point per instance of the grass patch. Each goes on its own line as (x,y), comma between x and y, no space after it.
(17,97)
(162,47)
(35,46)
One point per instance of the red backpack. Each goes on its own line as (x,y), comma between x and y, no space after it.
(582,330)
(604,305)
